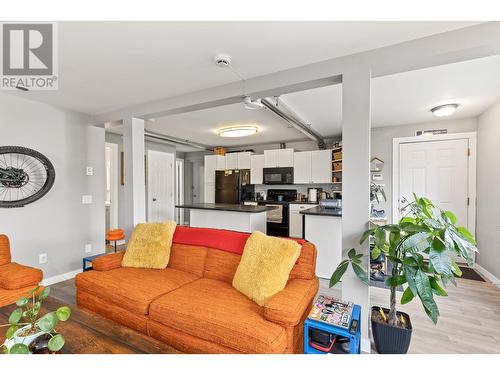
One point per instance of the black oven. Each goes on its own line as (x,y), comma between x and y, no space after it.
(278,176)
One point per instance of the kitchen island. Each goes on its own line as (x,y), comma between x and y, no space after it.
(323,227)
(238,217)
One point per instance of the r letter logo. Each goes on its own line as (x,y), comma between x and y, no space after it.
(28,56)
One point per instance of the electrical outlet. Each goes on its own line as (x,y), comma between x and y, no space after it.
(42,258)
(88,248)
(89,171)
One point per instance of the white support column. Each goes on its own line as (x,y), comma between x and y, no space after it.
(356,184)
(135,188)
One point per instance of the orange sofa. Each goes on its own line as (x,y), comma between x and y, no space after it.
(16,280)
(191,304)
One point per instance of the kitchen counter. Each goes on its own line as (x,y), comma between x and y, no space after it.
(322,211)
(225,207)
(237,217)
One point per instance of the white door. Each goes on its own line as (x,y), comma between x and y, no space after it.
(161,182)
(321,167)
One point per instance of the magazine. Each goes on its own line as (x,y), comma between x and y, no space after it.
(332,311)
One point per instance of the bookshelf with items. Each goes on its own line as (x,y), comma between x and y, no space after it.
(337,170)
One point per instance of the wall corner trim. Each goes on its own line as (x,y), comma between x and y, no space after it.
(59,278)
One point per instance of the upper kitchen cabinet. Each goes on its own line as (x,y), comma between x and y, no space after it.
(232,160)
(278,158)
(221,162)
(321,161)
(302,167)
(312,167)
(256,166)
(244,160)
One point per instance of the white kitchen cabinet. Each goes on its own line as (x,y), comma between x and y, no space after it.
(231,160)
(278,158)
(210,168)
(244,160)
(221,162)
(321,166)
(302,167)
(295,225)
(256,166)
(209,192)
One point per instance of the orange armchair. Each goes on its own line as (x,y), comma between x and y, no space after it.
(16,280)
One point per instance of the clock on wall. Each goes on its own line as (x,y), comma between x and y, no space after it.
(25,176)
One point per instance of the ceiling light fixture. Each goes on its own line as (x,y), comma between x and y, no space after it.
(444,110)
(238,131)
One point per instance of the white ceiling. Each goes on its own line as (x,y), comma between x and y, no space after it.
(109,65)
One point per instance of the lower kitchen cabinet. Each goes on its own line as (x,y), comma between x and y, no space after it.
(295,222)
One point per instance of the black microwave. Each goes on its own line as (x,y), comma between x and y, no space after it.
(278,176)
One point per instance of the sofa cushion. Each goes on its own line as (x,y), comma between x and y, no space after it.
(132,288)
(221,265)
(214,311)
(188,258)
(149,245)
(265,266)
(16,276)
(4,250)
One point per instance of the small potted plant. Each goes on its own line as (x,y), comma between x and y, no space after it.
(27,333)
(420,249)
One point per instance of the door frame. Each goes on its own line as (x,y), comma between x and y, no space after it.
(179,193)
(172,179)
(114,184)
(471,171)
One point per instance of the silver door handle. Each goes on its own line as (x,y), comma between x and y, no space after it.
(154,199)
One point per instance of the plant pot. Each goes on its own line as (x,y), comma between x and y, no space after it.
(391,339)
(26,340)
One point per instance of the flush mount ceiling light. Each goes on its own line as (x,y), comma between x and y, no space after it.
(252,103)
(444,110)
(238,131)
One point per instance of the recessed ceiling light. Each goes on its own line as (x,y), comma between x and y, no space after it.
(444,110)
(238,131)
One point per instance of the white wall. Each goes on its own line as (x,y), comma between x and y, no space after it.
(58,224)
(381,147)
(488,198)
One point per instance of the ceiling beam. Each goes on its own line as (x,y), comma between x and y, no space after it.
(464,44)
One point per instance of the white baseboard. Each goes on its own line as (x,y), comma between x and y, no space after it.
(483,271)
(58,278)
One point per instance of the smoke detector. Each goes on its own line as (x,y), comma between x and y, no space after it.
(252,103)
(222,60)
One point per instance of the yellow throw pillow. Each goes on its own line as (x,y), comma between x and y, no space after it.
(149,245)
(265,266)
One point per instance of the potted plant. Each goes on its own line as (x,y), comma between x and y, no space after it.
(27,332)
(419,248)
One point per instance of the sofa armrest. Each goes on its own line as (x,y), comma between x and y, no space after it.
(108,262)
(289,306)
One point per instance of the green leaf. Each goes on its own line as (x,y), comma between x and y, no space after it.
(16,316)
(426,295)
(22,302)
(365,235)
(451,216)
(47,322)
(339,272)
(351,253)
(375,253)
(468,235)
(10,332)
(456,269)
(56,343)
(360,272)
(440,261)
(44,294)
(395,281)
(5,350)
(63,313)
(19,349)
(417,242)
(407,296)
(436,288)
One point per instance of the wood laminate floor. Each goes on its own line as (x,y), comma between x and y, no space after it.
(469,321)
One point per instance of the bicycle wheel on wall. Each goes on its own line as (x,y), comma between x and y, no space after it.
(25,176)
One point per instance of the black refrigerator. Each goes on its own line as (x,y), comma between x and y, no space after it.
(233,186)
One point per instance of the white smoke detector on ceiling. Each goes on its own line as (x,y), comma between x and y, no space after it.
(222,60)
(252,103)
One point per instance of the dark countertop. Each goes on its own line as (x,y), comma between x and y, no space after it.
(272,202)
(225,207)
(322,211)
